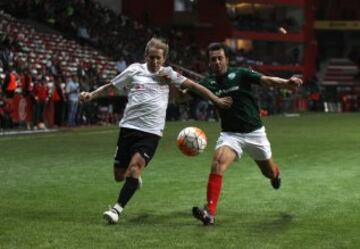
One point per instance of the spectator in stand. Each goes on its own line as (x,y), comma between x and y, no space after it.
(120,65)
(83,33)
(201,111)
(26,83)
(41,97)
(5,120)
(2,116)
(10,83)
(6,55)
(52,68)
(80,72)
(26,89)
(58,98)
(72,91)
(315,101)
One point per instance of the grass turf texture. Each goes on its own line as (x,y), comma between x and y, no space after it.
(55,187)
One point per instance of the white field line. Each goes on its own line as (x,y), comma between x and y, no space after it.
(6,136)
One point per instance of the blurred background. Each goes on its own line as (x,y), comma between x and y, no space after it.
(50,51)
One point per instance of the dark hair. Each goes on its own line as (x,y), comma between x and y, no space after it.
(217,46)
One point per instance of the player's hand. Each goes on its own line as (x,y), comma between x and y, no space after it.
(295,82)
(224,102)
(85,96)
(168,74)
(165,74)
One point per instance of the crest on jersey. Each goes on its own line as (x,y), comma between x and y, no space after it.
(231,76)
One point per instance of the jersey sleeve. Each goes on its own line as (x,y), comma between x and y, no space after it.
(175,78)
(205,82)
(122,80)
(251,76)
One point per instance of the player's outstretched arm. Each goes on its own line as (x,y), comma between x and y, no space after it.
(102,91)
(224,102)
(292,83)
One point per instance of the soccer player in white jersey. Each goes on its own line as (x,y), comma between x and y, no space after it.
(147,88)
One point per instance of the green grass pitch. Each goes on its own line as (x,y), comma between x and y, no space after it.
(55,187)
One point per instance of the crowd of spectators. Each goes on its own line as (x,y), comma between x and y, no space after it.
(43,87)
(115,35)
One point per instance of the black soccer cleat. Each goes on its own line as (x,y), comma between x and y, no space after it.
(276,182)
(203,215)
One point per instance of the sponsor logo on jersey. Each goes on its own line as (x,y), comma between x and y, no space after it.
(231,89)
(222,92)
(231,76)
(149,86)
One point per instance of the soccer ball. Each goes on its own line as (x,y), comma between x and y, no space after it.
(191,141)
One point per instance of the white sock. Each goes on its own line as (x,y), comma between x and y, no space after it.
(118,208)
(140,182)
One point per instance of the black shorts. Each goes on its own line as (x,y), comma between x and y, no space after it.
(131,141)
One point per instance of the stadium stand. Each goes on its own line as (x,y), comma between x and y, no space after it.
(340,71)
(40,49)
(83,38)
(248,17)
(49,57)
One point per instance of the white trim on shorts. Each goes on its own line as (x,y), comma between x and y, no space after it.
(255,143)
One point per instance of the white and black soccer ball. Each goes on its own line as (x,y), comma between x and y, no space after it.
(191,141)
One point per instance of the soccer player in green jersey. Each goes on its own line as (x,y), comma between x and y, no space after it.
(242,129)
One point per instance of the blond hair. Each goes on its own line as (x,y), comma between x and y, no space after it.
(158,44)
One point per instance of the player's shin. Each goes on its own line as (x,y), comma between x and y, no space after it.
(213,192)
(127,191)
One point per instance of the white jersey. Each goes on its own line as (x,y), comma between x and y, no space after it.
(147,95)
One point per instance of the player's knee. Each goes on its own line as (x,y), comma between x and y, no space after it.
(217,166)
(119,174)
(135,169)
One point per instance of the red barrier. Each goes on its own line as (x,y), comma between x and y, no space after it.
(300,105)
(49,114)
(20,109)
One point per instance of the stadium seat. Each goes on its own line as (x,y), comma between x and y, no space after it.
(40,47)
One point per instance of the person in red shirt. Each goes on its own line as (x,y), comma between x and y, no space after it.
(10,84)
(26,83)
(41,97)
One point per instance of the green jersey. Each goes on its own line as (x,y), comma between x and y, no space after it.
(243,116)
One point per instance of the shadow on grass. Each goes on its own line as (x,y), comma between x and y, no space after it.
(275,223)
(178,217)
(265,223)
(278,223)
(175,217)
